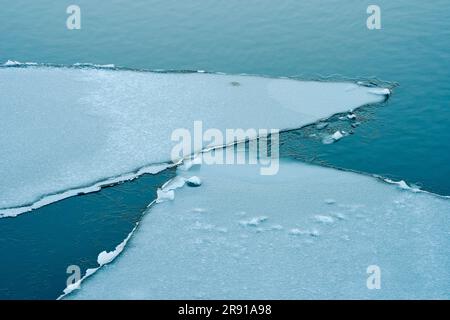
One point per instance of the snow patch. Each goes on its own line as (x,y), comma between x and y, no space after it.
(253,222)
(300,232)
(323,219)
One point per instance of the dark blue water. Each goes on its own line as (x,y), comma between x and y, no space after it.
(37,248)
(406,138)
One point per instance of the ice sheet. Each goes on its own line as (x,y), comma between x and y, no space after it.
(307,232)
(65,130)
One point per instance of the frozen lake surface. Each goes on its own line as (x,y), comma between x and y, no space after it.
(72,130)
(306,233)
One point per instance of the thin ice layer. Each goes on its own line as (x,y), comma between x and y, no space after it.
(68,128)
(307,232)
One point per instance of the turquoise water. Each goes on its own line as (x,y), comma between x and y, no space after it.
(407,138)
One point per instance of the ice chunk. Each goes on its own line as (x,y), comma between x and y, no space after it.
(194,181)
(167,260)
(166,192)
(69,128)
(333,138)
(380,91)
(337,135)
(105,257)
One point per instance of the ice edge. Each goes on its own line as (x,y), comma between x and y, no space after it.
(46,200)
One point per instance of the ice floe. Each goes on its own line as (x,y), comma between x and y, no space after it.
(405,233)
(66,128)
